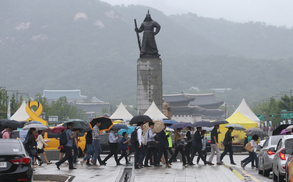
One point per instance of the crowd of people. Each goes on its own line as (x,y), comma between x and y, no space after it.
(150,148)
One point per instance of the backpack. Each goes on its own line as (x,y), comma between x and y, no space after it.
(1,134)
(134,140)
(63,138)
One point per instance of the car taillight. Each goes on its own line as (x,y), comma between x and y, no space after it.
(282,155)
(209,141)
(270,152)
(24,160)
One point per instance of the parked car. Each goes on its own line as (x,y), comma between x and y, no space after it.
(279,159)
(15,164)
(289,165)
(265,156)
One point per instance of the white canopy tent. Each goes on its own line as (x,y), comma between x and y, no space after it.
(154,113)
(121,113)
(244,109)
(20,114)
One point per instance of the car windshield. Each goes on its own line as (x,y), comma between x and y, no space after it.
(275,140)
(289,143)
(10,148)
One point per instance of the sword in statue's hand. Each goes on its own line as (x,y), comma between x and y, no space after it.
(138,38)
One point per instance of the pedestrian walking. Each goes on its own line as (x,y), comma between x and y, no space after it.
(252,154)
(163,144)
(68,147)
(170,146)
(228,146)
(89,149)
(31,145)
(179,146)
(40,146)
(197,145)
(6,132)
(75,149)
(204,146)
(215,146)
(188,145)
(152,150)
(96,144)
(139,147)
(123,147)
(112,139)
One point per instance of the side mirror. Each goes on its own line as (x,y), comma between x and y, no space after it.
(272,149)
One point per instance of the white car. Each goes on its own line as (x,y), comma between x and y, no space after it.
(280,158)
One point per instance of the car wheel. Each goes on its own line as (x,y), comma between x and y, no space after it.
(259,170)
(281,178)
(31,178)
(275,177)
(266,172)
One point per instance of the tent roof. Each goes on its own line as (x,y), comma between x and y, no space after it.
(20,114)
(244,109)
(154,112)
(238,118)
(121,113)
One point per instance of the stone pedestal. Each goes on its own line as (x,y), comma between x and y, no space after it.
(149,83)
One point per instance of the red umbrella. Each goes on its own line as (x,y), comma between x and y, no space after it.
(58,129)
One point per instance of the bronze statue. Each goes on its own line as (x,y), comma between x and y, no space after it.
(149,46)
(166,109)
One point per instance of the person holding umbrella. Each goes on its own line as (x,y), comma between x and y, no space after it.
(179,142)
(96,144)
(151,144)
(139,149)
(188,145)
(228,146)
(31,145)
(68,147)
(163,144)
(113,147)
(197,145)
(123,147)
(40,146)
(215,146)
(6,132)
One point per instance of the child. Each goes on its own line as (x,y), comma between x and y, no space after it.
(123,147)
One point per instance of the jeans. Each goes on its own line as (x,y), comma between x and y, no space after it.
(123,154)
(228,148)
(139,154)
(97,150)
(252,157)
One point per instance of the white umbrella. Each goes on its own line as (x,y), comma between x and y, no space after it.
(289,128)
(37,126)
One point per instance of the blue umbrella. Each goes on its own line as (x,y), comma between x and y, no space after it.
(203,124)
(32,122)
(170,121)
(181,125)
(128,131)
(119,126)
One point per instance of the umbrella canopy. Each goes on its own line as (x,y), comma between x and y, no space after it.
(32,122)
(118,121)
(12,124)
(203,124)
(128,131)
(278,130)
(181,125)
(119,126)
(169,122)
(159,126)
(284,132)
(170,129)
(236,126)
(106,125)
(140,119)
(58,129)
(253,129)
(215,123)
(257,132)
(77,123)
(289,128)
(37,126)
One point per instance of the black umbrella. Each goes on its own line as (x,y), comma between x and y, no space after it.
(278,130)
(12,124)
(203,124)
(140,119)
(77,123)
(215,123)
(106,125)
(258,133)
(181,125)
(119,126)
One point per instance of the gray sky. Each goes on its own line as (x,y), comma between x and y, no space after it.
(272,12)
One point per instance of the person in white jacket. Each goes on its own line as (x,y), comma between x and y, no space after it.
(252,154)
(40,147)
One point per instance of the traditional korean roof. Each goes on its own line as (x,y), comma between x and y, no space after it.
(69,94)
(177,99)
(205,100)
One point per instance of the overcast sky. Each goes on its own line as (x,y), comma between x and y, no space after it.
(273,12)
